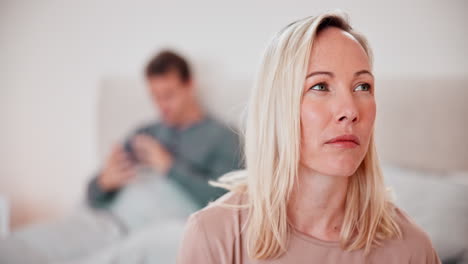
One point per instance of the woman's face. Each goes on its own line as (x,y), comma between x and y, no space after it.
(338,100)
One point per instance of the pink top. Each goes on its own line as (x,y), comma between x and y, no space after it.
(213,236)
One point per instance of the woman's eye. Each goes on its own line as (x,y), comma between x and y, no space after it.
(319,87)
(363,87)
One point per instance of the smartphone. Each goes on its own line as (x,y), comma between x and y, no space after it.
(128,148)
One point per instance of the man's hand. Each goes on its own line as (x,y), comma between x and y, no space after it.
(151,153)
(118,171)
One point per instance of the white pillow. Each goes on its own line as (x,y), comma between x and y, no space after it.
(437,204)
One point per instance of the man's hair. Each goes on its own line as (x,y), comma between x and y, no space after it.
(167,61)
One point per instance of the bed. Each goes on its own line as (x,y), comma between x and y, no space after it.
(420,133)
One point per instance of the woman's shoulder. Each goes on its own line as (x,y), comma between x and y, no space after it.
(222,218)
(414,244)
(226,212)
(412,232)
(212,234)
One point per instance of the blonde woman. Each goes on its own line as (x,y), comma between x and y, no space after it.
(313,190)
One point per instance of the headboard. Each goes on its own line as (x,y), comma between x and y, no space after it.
(421,124)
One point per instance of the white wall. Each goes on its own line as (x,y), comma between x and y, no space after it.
(53,55)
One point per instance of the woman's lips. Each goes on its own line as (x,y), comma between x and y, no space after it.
(344,144)
(344,141)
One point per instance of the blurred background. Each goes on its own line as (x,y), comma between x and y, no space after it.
(68,67)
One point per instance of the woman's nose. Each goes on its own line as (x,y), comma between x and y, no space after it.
(348,111)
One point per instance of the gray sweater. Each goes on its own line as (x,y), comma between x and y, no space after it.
(202,152)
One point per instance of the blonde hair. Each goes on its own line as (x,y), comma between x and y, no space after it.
(272,150)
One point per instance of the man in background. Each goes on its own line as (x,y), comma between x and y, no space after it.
(147,187)
(187,146)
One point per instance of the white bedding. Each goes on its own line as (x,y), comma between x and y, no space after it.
(151,214)
(436,202)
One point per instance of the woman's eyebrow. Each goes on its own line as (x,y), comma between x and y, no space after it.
(332,75)
(363,72)
(320,72)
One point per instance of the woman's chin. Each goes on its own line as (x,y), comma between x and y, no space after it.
(332,167)
(341,171)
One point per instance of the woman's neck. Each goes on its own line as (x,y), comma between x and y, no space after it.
(317,204)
